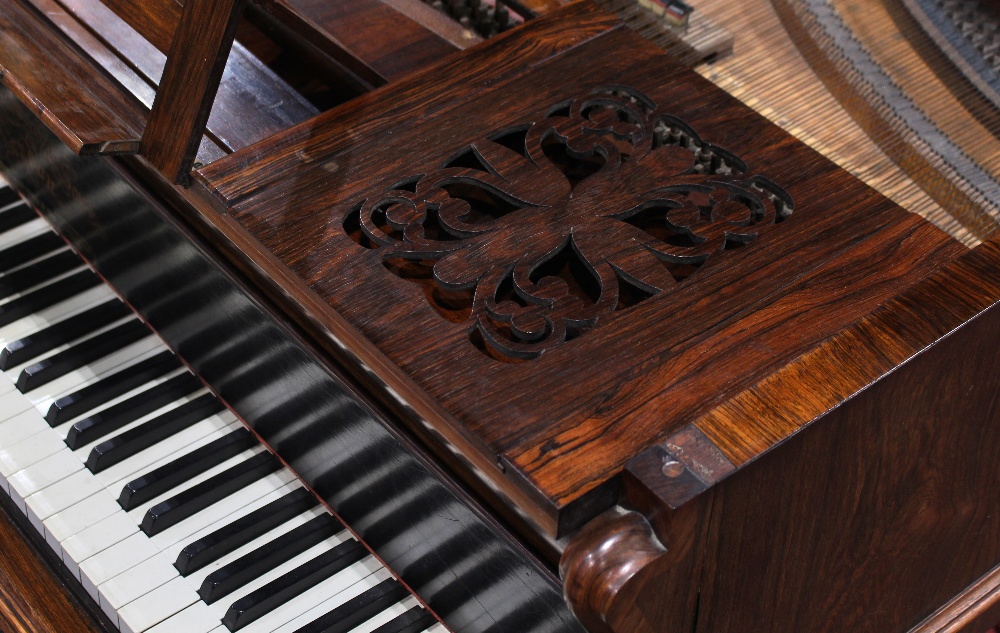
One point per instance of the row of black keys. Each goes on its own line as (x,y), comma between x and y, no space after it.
(207,549)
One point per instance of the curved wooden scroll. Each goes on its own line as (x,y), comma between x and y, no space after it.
(605,567)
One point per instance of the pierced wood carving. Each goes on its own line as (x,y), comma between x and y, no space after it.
(537,233)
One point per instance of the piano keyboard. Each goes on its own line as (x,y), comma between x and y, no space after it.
(171,514)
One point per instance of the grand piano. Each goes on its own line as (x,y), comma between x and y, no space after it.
(383,316)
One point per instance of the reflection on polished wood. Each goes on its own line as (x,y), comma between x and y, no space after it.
(32,600)
(674,344)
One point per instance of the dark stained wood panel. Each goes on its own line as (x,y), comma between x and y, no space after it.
(504,251)
(746,424)
(378,41)
(874,517)
(156,20)
(44,72)
(251,103)
(191,76)
(31,599)
(440,86)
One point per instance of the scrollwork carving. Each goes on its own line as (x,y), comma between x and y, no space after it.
(548,227)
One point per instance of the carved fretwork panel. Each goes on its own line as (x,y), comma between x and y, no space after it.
(559,259)
(534,234)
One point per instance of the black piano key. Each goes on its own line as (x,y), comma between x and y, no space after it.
(61,333)
(107,421)
(358,609)
(259,603)
(176,509)
(9,196)
(38,273)
(130,442)
(58,365)
(29,249)
(222,582)
(214,546)
(46,296)
(14,216)
(110,387)
(176,472)
(413,621)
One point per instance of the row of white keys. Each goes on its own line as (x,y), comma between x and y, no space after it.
(97,538)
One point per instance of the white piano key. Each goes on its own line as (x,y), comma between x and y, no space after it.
(149,574)
(83,542)
(157,606)
(23,233)
(6,386)
(55,313)
(334,591)
(328,602)
(384,617)
(116,559)
(96,538)
(135,583)
(43,396)
(197,618)
(42,475)
(29,451)
(170,448)
(60,496)
(138,512)
(80,516)
(233,507)
(21,426)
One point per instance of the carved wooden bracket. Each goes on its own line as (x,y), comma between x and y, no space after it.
(635,571)
(602,565)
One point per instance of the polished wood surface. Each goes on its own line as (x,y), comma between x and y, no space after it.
(354,34)
(639,375)
(197,56)
(32,599)
(89,117)
(874,517)
(664,338)
(251,103)
(973,610)
(601,562)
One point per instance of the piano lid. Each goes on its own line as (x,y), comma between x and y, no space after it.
(561,250)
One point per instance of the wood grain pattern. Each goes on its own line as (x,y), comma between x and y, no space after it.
(31,599)
(191,76)
(463,76)
(773,409)
(43,71)
(356,33)
(156,20)
(600,563)
(882,511)
(635,570)
(251,103)
(671,357)
(972,611)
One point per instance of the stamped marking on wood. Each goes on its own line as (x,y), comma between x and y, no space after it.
(537,233)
